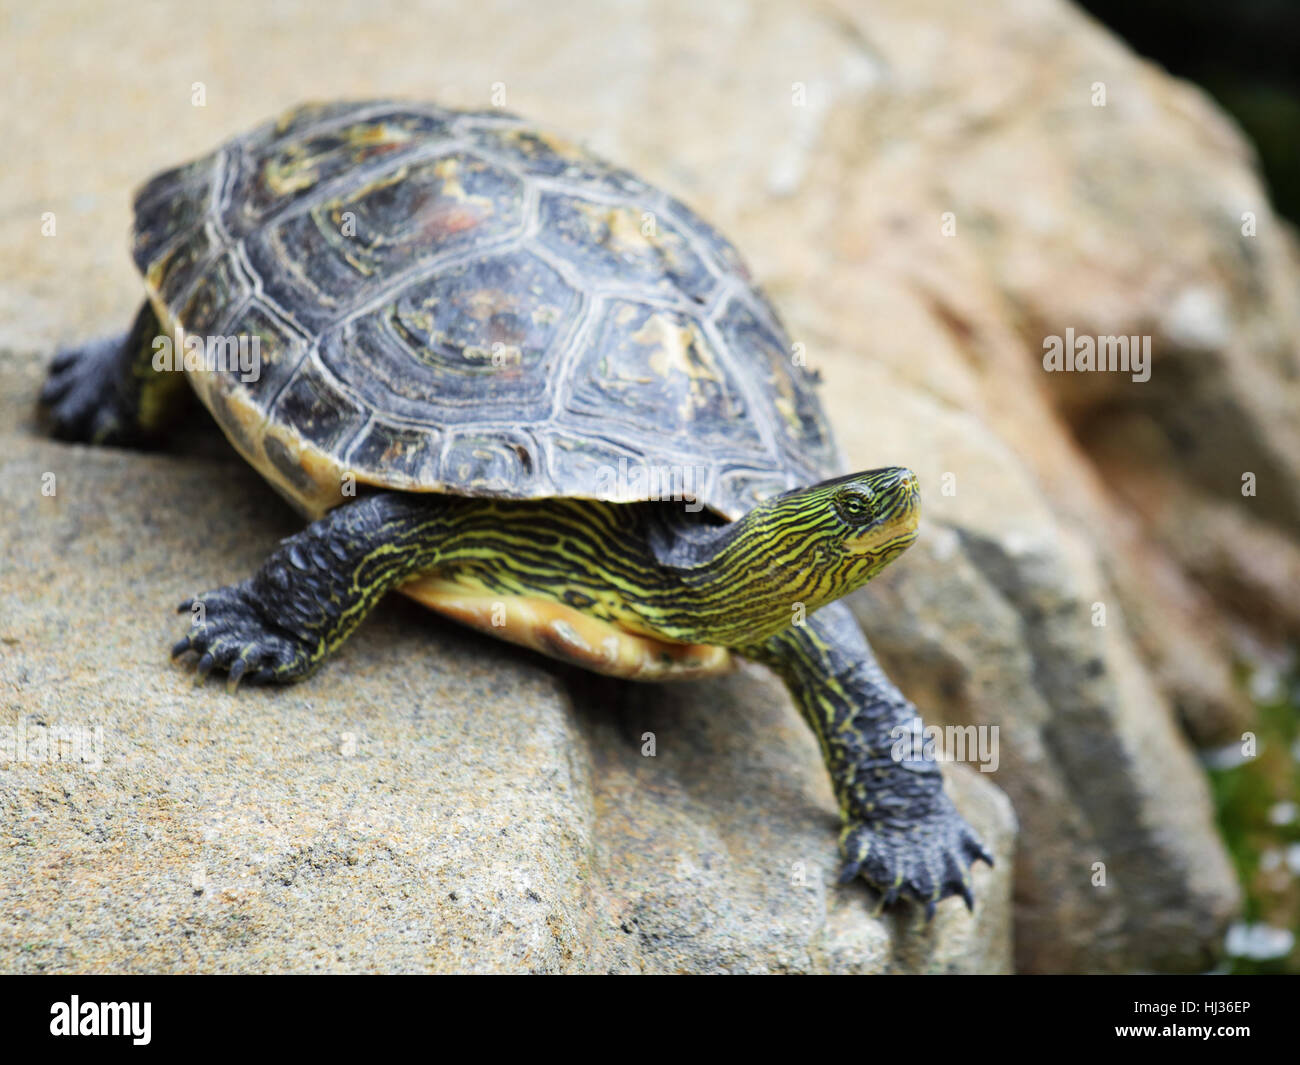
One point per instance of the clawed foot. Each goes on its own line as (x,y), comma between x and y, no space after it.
(82,394)
(925,860)
(229,632)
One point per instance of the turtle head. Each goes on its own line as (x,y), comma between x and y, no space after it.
(800,550)
(837,535)
(876,512)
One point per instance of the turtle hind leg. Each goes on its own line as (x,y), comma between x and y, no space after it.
(315,588)
(107,391)
(901,832)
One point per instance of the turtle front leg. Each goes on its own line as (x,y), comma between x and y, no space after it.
(314,590)
(901,832)
(107,391)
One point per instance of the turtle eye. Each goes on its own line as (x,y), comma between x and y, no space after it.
(854,505)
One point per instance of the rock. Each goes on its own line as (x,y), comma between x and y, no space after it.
(434,800)
(839,146)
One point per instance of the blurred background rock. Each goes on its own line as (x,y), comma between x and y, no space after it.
(1246,53)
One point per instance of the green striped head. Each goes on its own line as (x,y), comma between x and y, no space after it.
(800,550)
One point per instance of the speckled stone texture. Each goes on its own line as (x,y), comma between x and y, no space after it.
(433,800)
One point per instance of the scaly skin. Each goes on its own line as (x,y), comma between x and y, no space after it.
(901,832)
(647,567)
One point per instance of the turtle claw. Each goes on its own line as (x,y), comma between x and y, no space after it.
(61,361)
(886,900)
(237,638)
(237,670)
(924,859)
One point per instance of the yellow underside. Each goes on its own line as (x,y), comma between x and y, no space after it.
(567,634)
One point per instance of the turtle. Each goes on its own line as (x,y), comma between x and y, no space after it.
(534,393)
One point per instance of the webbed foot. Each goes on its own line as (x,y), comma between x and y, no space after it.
(231,632)
(314,589)
(83,395)
(926,859)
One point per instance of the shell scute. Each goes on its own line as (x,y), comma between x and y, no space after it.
(543,154)
(653,373)
(411,453)
(492,461)
(472,342)
(277,349)
(623,245)
(798,422)
(180,267)
(318,411)
(209,305)
(290,161)
(170,207)
(323,263)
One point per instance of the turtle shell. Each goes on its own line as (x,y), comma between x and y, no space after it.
(453,301)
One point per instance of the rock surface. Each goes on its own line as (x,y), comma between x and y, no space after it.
(828,142)
(434,800)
